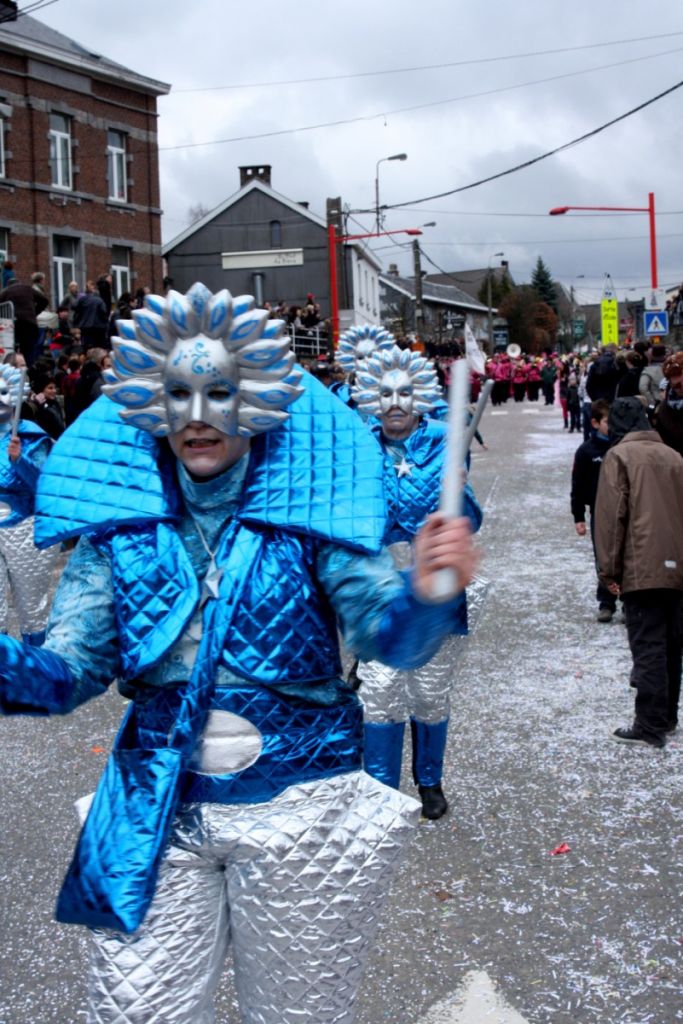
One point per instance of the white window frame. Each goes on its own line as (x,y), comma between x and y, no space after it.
(63,268)
(120,273)
(60,154)
(117,171)
(2,146)
(4,246)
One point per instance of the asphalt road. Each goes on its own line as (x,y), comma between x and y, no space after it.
(590,936)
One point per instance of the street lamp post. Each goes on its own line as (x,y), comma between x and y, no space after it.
(489,300)
(649,209)
(378,215)
(333,240)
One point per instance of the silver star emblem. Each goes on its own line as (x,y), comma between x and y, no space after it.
(403,468)
(211,583)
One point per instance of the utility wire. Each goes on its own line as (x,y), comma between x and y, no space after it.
(548,241)
(424,67)
(482,213)
(29,9)
(414,107)
(535,160)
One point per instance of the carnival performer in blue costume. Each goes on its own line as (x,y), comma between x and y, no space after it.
(24,569)
(400,388)
(214,572)
(355,346)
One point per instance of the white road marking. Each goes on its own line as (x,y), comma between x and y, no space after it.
(498,412)
(475,1002)
(530,412)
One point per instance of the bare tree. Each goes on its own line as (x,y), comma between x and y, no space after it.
(196,212)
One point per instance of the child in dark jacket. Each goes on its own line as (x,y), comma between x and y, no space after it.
(573,403)
(585,475)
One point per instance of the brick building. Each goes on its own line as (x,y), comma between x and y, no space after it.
(79,170)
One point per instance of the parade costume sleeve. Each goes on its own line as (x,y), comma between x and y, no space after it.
(578,499)
(611,518)
(79,658)
(34,452)
(380,616)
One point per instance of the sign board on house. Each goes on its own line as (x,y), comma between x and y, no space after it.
(262,259)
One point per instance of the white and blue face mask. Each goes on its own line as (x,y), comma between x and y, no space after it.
(396,391)
(201,385)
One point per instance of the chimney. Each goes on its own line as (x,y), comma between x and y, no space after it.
(393,269)
(8,11)
(254,172)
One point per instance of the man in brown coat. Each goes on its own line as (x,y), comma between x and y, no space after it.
(639,545)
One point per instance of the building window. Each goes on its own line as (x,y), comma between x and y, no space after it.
(116,166)
(2,146)
(275,234)
(60,151)
(65,252)
(120,270)
(4,245)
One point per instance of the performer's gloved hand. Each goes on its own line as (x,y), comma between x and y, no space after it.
(443,543)
(33,681)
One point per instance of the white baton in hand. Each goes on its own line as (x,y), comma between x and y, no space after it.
(446,584)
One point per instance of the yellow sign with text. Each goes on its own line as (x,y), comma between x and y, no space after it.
(609,322)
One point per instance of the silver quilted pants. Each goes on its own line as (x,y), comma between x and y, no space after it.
(28,572)
(295,885)
(390,695)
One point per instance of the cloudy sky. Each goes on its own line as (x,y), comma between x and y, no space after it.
(466,90)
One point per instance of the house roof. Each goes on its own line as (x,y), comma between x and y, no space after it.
(469,281)
(30,36)
(253,185)
(442,294)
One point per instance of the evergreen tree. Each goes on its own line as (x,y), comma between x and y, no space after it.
(500,287)
(542,281)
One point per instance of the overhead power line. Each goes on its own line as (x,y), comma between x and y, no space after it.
(425,67)
(411,109)
(29,9)
(534,160)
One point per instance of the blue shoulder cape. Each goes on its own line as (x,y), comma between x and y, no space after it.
(320,474)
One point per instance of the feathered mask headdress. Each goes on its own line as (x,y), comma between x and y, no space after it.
(426,390)
(258,354)
(358,343)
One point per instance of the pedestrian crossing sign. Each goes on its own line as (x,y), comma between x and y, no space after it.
(656,323)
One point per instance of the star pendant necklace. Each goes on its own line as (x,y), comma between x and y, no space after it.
(404,468)
(213,575)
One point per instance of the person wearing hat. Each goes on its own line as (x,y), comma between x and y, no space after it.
(639,545)
(668,418)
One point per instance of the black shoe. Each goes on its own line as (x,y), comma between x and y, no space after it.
(434,804)
(671,728)
(605,614)
(636,735)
